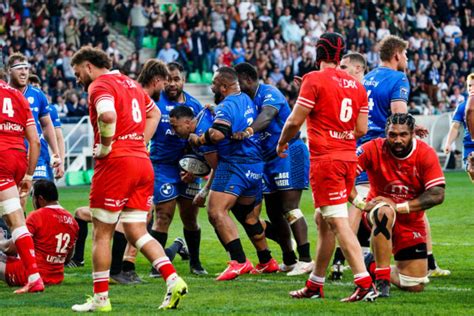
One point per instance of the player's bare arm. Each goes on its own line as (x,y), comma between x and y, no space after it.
(7,246)
(470,115)
(50,136)
(452,135)
(106,122)
(212,160)
(152,120)
(59,171)
(33,154)
(292,126)
(428,199)
(216,133)
(361,125)
(263,120)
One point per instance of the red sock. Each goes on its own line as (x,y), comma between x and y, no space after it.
(101,281)
(363,280)
(25,248)
(165,267)
(382,274)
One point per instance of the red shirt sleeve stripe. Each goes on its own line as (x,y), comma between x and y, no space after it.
(306,100)
(303,103)
(150,106)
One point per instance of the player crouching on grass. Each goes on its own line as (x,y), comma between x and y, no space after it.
(405,180)
(54,232)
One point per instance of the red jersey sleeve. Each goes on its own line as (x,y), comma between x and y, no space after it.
(364,108)
(150,105)
(33,221)
(430,169)
(100,91)
(308,93)
(363,157)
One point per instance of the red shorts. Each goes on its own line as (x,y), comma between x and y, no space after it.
(332,181)
(122,182)
(406,232)
(13,165)
(15,273)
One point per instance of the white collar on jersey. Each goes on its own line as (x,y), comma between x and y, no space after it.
(113,72)
(411,152)
(56,206)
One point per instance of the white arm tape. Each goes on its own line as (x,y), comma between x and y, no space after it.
(359,202)
(403,208)
(105,105)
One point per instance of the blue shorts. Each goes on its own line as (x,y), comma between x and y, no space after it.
(290,173)
(43,170)
(168,185)
(238,179)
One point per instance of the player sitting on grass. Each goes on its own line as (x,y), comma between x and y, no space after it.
(54,232)
(405,180)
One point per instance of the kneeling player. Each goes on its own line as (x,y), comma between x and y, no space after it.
(54,232)
(406,179)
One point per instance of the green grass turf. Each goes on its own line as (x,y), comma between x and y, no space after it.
(452,225)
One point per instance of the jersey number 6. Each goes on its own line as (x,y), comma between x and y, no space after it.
(346,110)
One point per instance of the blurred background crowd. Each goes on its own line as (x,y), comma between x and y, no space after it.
(278,37)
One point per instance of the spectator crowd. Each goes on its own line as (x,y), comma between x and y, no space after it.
(278,37)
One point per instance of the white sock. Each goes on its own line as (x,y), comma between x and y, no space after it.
(101,297)
(171,280)
(33,277)
(361,275)
(316,279)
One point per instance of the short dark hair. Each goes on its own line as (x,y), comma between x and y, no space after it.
(228,74)
(47,189)
(34,79)
(357,57)
(401,119)
(181,111)
(330,47)
(247,70)
(175,66)
(152,69)
(95,56)
(391,45)
(15,57)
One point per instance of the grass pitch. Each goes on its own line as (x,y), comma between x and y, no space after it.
(452,226)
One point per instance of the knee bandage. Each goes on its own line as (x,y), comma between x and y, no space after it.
(253,229)
(241,211)
(134,217)
(9,206)
(105,216)
(339,210)
(408,281)
(142,241)
(293,215)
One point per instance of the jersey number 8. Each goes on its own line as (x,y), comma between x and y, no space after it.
(346,110)
(136,114)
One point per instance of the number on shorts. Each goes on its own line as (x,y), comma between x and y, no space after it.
(8,107)
(346,110)
(136,113)
(63,242)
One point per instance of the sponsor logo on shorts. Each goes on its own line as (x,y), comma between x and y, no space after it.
(338,195)
(167,189)
(282,179)
(252,175)
(416,235)
(115,203)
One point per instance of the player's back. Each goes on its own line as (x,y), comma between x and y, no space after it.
(14,118)
(240,112)
(268,95)
(336,99)
(383,85)
(131,104)
(165,146)
(54,232)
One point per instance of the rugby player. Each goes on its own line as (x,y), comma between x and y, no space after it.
(54,232)
(18,69)
(16,176)
(124,119)
(284,178)
(166,149)
(336,106)
(405,180)
(238,176)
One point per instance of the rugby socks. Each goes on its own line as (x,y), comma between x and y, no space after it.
(363,280)
(26,249)
(101,285)
(128,266)
(303,252)
(236,251)
(193,240)
(270,232)
(172,250)
(315,282)
(338,256)
(264,256)
(161,237)
(382,274)
(118,249)
(81,240)
(431,261)
(165,267)
(289,258)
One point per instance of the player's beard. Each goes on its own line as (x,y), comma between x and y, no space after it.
(173,95)
(400,151)
(218,97)
(156,95)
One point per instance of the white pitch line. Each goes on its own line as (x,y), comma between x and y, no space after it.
(465,244)
(293,281)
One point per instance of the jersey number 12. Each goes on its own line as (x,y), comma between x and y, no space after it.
(63,242)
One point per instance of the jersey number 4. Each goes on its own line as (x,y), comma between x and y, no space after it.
(346,110)
(8,107)
(63,242)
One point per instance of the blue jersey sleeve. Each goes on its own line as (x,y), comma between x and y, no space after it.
(43,106)
(459,113)
(54,116)
(224,113)
(273,100)
(401,90)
